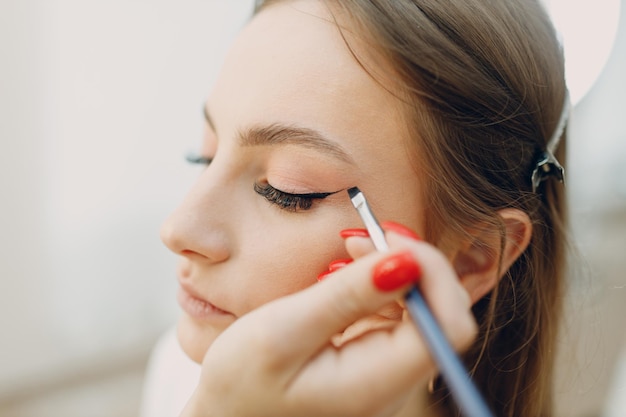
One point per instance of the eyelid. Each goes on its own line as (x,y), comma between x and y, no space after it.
(289,201)
(304,195)
(315,196)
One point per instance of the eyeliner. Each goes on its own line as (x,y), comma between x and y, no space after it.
(461,387)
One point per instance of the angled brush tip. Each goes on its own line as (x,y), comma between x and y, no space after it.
(352,192)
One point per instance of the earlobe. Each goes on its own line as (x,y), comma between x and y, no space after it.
(481,262)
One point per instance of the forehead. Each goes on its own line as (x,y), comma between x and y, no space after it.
(292,65)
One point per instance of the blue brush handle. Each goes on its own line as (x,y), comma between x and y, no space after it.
(452,370)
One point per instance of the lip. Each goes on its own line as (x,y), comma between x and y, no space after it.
(198,307)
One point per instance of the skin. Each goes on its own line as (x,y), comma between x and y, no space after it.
(274,344)
(289,66)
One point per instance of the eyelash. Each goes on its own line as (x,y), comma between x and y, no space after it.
(288,201)
(194,158)
(285,201)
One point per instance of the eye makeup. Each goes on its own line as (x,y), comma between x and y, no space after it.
(289,201)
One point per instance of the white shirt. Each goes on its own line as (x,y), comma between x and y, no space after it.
(171,378)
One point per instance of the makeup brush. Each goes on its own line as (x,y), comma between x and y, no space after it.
(461,387)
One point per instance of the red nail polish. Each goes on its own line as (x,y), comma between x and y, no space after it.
(339,263)
(324,275)
(396,271)
(346,233)
(400,229)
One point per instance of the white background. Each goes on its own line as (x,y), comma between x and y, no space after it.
(99,103)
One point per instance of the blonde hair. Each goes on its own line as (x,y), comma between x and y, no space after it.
(484,80)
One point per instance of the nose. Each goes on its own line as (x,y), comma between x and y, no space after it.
(197,229)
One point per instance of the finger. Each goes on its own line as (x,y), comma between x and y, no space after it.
(439,282)
(358,247)
(376,370)
(352,297)
(358,244)
(381,366)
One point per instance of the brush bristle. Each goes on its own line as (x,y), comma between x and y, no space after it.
(352,192)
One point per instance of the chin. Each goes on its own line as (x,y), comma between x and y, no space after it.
(194,338)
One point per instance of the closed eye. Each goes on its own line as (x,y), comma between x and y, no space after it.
(289,201)
(194,158)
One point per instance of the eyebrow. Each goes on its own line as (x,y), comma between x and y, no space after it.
(281,134)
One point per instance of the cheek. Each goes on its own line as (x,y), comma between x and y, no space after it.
(290,260)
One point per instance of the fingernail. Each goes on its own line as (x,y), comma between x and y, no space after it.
(323,275)
(334,266)
(396,271)
(339,263)
(400,229)
(346,233)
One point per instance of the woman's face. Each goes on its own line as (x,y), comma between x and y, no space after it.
(292,112)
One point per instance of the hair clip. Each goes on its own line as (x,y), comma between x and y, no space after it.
(548,166)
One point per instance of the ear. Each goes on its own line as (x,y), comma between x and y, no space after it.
(480,263)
